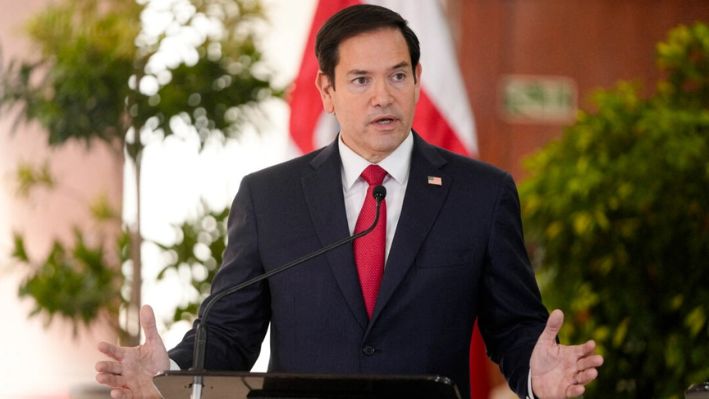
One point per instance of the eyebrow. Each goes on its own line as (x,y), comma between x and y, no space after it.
(402,64)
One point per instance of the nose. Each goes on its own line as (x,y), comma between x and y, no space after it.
(381,96)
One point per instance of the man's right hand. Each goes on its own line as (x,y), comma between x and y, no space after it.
(130,373)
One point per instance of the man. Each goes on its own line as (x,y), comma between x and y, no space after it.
(402,299)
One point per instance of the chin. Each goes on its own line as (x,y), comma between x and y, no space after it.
(389,143)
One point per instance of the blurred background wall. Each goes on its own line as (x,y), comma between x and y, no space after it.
(582,45)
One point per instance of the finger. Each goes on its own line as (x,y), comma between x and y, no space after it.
(590,362)
(109,367)
(556,319)
(586,376)
(120,394)
(147,321)
(574,391)
(111,350)
(111,380)
(586,348)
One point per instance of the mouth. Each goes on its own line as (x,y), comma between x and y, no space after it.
(384,120)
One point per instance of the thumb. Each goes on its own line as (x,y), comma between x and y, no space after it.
(556,319)
(147,321)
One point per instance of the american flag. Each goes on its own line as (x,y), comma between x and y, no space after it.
(435,180)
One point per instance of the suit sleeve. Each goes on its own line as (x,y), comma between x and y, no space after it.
(512,314)
(237,324)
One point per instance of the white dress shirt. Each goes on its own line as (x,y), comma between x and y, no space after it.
(397,165)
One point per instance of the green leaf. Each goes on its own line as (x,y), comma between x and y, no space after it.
(19,252)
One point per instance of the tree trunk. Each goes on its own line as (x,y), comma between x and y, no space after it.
(132,326)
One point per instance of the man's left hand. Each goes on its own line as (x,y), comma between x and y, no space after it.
(561,371)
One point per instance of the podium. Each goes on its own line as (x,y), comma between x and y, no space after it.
(239,385)
(698,391)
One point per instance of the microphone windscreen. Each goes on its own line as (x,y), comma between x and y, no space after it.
(379,192)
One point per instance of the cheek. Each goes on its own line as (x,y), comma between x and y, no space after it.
(348,109)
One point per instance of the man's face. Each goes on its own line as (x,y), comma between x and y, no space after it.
(375,92)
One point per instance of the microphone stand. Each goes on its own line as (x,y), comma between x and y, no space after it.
(379,193)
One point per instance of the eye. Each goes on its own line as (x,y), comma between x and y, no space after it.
(399,76)
(360,80)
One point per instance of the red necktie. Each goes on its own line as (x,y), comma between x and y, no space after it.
(369,250)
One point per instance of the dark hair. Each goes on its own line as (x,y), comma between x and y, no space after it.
(352,21)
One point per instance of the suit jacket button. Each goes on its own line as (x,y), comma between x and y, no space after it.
(368,350)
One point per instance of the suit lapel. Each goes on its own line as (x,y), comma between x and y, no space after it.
(422,202)
(322,186)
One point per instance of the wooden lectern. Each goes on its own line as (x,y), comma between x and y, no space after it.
(233,385)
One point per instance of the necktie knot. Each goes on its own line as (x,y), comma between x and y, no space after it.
(374,175)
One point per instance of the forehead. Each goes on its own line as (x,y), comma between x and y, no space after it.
(385,46)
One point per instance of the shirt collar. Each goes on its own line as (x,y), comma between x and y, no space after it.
(396,164)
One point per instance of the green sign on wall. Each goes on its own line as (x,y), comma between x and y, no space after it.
(538,99)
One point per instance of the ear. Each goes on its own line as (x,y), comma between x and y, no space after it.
(417,72)
(322,82)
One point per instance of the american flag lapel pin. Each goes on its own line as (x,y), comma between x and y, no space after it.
(435,180)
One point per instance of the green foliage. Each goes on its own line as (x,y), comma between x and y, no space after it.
(29,177)
(99,75)
(219,92)
(102,211)
(685,58)
(74,281)
(76,84)
(197,252)
(617,212)
(78,280)
(85,83)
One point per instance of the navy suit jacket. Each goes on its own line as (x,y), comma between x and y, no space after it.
(457,255)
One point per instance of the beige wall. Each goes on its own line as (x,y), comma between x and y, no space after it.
(40,361)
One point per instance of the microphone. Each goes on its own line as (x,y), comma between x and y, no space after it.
(379,193)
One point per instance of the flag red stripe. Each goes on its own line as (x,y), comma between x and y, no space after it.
(434,128)
(480,384)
